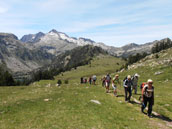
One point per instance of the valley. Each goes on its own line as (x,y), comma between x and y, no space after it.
(45,105)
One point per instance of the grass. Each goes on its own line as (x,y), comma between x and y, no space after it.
(43,106)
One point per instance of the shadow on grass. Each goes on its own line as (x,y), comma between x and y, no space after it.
(162,117)
(133,102)
(137,94)
(120,95)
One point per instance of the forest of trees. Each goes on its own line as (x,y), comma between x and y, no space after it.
(6,78)
(134,58)
(162,45)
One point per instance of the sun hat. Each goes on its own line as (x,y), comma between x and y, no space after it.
(136,75)
(149,81)
(129,76)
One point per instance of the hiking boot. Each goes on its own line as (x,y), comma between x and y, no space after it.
(150,116)
(142,110)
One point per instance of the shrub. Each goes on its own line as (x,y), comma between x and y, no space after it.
(66,81)
(59,82)
(157,56)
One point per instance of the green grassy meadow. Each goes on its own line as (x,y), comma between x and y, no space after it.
(42,105)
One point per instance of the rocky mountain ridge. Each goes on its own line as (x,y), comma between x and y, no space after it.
(56,42)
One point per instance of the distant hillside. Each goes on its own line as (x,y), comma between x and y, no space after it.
(160,59)
(19,57)
(76,57)
(66,61)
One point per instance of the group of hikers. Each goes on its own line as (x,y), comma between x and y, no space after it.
(90,80)
(130,83)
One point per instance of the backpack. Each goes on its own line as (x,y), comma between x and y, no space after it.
(108,78)
(142,85)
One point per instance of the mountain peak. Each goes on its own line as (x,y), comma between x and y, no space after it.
(32,38)
(8,35)
(86,39)
(53,31)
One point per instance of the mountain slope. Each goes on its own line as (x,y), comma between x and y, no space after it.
(77,56)
(19,57)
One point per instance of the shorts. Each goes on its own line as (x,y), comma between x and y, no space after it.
(114,86)
(107,84)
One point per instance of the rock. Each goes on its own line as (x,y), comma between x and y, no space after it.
(95,101)
(57,84)
(166,80)
(48,85)
(46,100)
(120,101)
(166,105)
(158,73)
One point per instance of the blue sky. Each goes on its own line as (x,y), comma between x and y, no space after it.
(113,22)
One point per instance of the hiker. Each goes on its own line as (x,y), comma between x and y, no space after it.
(107,82)
(115,82)
(90,80)
(82,80)
(148,97)
(135,81)
(103,81)
(85,80)
(127,87)
(94,78)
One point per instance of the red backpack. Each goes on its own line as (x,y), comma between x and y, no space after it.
(142,85)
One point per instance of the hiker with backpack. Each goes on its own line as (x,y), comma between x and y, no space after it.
(148,97)
(94,78)
(115,82)
(107,82)
(135,81)
(127,88)
(90,80)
